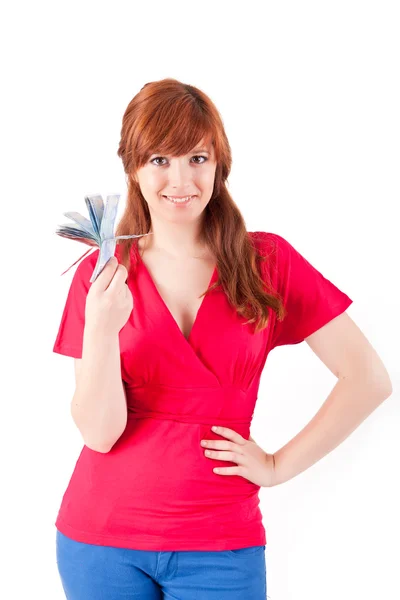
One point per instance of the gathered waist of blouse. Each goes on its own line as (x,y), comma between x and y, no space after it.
(203,420)
(224,405)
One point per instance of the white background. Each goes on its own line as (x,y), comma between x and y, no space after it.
(309,95)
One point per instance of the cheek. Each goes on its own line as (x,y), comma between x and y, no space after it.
(153,180)
(206,178)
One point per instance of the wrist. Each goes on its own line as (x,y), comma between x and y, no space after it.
(282,473)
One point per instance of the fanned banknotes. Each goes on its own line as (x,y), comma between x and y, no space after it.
(98,231)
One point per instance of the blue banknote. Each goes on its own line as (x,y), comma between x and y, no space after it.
(97,231)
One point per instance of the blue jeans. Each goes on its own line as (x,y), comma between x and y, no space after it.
(92,572)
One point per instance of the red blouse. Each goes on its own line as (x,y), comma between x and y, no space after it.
(155,489)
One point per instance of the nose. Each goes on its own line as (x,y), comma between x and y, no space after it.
(179,173)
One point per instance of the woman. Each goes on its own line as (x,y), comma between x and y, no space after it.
(171,340)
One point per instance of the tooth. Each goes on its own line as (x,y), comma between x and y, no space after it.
(179,200)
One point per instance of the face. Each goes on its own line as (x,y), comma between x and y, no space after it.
(178,176)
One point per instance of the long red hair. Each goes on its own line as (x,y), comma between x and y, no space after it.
(170,117)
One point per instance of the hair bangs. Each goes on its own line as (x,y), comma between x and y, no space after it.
(175,130)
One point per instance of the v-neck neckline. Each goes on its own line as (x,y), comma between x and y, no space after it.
(164,305)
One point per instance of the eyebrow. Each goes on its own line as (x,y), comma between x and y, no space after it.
(192,152)
(201,150)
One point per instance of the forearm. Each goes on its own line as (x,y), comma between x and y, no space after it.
(348,404)
(98,406)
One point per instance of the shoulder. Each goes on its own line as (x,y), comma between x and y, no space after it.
(280,261)
(270,244)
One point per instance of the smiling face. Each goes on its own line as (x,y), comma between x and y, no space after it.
(178,176)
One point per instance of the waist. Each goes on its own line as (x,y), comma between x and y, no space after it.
(157,481)
(134,413)
(225,406)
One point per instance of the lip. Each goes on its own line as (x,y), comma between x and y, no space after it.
(180,205)
(178,197)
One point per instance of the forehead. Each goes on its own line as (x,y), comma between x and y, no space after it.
(202,148)
(204,145)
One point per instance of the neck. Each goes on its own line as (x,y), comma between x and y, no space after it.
(175,240)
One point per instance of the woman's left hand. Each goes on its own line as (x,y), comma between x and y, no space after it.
(253,463)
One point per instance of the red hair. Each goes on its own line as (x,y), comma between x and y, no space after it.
(170,117)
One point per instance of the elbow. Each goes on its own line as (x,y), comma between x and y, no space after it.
(104,445)
(102,442)
(383,386)
(382,389)
(377,380)
(388,390)
(102,448)
(97,448)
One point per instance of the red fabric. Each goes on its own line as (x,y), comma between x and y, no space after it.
(156,490)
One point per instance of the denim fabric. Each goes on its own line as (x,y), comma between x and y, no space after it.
(92,572)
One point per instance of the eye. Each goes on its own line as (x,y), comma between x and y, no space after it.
(201,156)
(163,157)
(157,158)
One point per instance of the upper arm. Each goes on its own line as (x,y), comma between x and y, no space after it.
(347,353)
(310,299)
(77,368)
(69,339)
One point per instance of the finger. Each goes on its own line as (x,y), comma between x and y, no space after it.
(103,278)
(235,457)
(229,471)
(118,280)
(230,434)
(221,445)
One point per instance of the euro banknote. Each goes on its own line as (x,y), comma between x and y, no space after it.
(97,231)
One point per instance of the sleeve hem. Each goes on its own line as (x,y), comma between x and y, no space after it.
(325,319)
(67,350)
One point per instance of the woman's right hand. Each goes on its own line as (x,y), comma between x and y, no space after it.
(109,301)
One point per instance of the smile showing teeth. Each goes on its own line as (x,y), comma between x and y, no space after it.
(179,200)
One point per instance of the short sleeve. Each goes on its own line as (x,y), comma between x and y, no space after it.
(69,340)
(311,300)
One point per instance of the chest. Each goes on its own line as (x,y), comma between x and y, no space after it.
(180,286)
(176,338)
